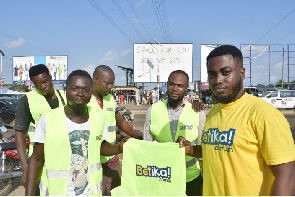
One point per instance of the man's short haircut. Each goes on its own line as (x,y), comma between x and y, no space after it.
(226,50)
(79,72)
(179,72)
(37,70)
(103,69)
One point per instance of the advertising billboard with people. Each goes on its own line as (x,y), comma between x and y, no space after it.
(57,65)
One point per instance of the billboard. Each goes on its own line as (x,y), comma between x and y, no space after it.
(205,50)
(154,62)
(57,66)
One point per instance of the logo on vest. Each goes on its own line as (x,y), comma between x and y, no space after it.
(164,174)
(110,109)
(186,127)
(98,137)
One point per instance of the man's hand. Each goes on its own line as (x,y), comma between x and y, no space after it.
(121,144)
(186,144)
(24,175)
(198,105)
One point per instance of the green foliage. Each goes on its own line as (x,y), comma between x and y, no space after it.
(17,87)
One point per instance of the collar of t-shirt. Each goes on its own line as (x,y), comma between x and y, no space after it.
(99,101)
(181,106)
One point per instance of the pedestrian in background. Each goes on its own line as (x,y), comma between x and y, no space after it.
(247,145)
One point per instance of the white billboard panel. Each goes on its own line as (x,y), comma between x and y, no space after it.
(152,59)
(205,50)
(57,66)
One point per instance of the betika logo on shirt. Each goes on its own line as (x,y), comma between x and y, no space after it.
(186,127)
(222,139)
(164,174)
(110,109)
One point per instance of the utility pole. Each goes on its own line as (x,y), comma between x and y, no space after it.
(250,66)
(129,73)
(282,81)
(1,76)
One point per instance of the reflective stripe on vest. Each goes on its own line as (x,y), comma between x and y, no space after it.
(112,128)
(36,100)
(191,162)
(187,127)
(95,167)
(57,174)
(58,153)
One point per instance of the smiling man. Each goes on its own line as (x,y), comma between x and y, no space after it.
(31,106)
(247,145)
(173,117)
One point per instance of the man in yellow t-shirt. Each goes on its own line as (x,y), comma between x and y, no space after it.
(247,145)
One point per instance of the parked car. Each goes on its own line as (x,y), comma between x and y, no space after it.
(282,99)
(8,111)
(265,94)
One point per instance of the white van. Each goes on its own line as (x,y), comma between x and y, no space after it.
(282,99)
(265,94)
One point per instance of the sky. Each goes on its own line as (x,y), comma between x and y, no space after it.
(95,32)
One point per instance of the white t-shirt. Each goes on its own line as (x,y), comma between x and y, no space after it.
(78,137)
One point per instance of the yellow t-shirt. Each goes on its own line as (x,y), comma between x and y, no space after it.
(240,140)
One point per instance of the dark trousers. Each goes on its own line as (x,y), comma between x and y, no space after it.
(111,177)
(195,187)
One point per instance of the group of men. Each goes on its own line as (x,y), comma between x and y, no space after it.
(243,147)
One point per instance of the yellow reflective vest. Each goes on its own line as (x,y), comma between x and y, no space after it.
(109,108)
(58,153)
(38,106)
(187,127)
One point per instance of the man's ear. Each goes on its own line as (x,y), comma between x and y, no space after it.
(95,78)
(242,71)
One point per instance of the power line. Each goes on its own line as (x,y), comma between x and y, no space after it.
(161,19)
(110,20)
(284,36)
(275,26)
(137,16)
(166,19)
(127,19)
(254,15)
(26,43)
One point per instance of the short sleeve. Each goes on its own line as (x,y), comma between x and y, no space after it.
(146,129)
(275,139)
(40,130)
(202,119)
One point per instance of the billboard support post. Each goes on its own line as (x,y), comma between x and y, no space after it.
(1,54)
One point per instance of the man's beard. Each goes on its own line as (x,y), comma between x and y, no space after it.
(174,101)
(229,98)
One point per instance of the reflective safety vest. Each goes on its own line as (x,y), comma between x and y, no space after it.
(38,106)
(109,107)
(57,152)
(187,127)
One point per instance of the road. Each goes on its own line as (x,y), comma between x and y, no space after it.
(139,116)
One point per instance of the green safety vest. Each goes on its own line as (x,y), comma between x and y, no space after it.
(187,127)
(38,106)
(57,153)
(109,107)
(150,169)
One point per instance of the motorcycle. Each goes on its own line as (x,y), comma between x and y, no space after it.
(128,116)
(10,167)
